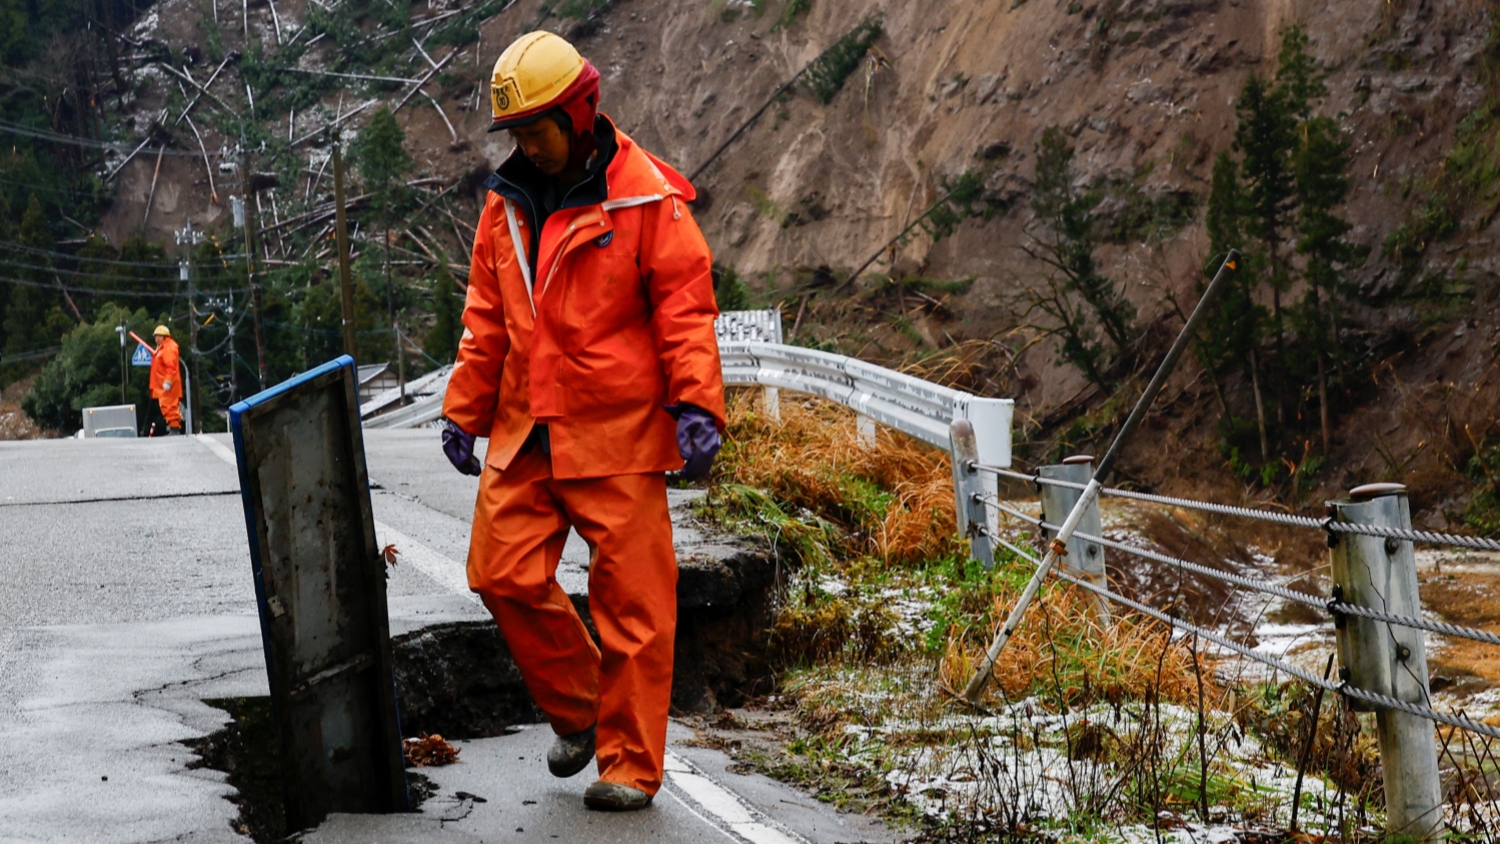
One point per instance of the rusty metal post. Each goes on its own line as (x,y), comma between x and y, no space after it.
(1388,659)
(968,491)
(1084,558)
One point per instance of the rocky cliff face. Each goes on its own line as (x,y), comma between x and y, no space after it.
(956,90)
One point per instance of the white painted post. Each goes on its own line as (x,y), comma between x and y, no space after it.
(968,487)
(1084,559)
(771,396)
(991,419)
(770,401)
(864,428)
(1389,659)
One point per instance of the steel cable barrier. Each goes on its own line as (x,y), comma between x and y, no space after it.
(1377,614)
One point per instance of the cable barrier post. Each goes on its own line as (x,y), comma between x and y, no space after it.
(1388,659)
(1084,558)
(968,492)
(1091,491)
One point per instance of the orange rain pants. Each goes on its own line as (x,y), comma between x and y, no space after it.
(171,411)
(520,525)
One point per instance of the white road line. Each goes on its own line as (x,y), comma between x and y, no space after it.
(731,815)
(223,451)
(446,571)
(694,812)
(728,808)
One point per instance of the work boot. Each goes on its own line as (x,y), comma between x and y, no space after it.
(571,754)
(614,797)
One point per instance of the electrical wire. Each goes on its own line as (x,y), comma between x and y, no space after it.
(12,246)
(93,291)
(85,274)
(74,140)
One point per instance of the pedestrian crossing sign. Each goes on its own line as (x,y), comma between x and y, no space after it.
(142,356)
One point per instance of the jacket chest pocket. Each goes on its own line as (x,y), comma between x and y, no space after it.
(603,290)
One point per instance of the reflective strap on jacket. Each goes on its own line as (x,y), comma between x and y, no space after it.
(520,247)
(630,201)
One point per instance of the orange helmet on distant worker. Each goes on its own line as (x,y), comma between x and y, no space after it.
(540,74)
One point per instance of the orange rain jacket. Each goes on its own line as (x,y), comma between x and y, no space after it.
(166,380)
(614,322)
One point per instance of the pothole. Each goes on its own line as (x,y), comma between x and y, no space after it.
(459,681)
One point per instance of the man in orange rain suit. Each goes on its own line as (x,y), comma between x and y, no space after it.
(589,360)
(166,379)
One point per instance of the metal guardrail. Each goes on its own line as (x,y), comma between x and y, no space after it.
(751,355)
(414,415)
(919,408)
(434,382)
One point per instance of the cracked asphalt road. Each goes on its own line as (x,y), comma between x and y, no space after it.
(126,600)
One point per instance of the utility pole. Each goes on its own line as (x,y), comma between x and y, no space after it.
(189,237)
(124,364)
(341,229)
(254,184)
(234,354)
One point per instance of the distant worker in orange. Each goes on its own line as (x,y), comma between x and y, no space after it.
(166,378)
(589,360)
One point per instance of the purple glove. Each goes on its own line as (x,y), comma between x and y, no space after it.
(697,439)
(458,444)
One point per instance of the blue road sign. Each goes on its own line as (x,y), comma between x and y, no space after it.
(142,356)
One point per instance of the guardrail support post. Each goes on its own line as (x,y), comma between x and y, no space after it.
(968,487)
(1389,659)
(864,428)
(771,402)
(1085,558)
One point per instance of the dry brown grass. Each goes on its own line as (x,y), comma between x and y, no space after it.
(894,506)
(1062,651)
(894,501)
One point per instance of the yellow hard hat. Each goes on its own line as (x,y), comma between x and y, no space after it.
(160,330)
(536,72)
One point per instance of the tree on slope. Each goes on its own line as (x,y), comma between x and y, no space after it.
(1081,302)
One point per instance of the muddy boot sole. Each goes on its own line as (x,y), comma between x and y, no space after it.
(571,754)
(613,797)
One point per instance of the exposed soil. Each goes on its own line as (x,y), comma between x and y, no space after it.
(14,423)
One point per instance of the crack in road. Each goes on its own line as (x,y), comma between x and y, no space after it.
(131,498)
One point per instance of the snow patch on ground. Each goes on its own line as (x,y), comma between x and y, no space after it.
(1014,768)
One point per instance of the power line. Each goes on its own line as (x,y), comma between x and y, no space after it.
(84,274)
(93,291)
(55,137)
(6,245)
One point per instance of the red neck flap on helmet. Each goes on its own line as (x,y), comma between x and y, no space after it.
(580,102)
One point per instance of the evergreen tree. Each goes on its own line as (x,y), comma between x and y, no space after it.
(1265,138)
(33,318)
(447,308)
(1082,301)
(1236,324)
(383,165)
(1321,166)
(1278,204)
